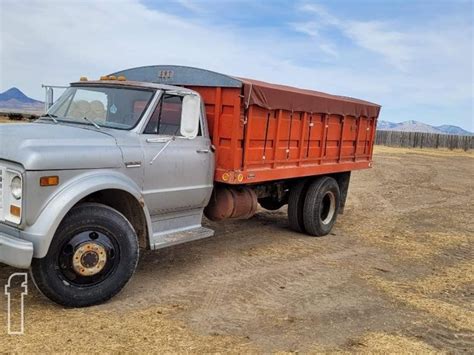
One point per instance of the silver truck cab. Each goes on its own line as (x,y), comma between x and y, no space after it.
(114,165)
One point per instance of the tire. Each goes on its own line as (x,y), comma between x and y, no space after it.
(296,205)
(321,206)
(92,256)
(271,204)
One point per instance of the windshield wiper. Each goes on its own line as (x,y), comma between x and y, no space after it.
(51,116)
(91,122)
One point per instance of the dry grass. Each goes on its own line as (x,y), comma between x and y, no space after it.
(412,246)
(407,258)
(442,152)
(448,280)
(5,119)
(93,330)
(422,294)
(381,343)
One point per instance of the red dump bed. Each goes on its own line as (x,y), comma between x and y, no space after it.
(281,132)
(265,132)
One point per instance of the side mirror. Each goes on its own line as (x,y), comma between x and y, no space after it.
(190,116)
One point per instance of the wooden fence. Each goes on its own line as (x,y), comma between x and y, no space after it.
(424,140)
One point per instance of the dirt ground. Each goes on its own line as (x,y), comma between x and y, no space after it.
(395,275)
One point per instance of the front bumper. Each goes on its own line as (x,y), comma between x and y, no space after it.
(14,251)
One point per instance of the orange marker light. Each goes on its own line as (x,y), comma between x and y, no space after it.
(15,211)
(121,78)
(49,180)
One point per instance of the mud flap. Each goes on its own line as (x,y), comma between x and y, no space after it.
(343,182)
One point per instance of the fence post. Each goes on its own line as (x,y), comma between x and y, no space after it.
(424,140)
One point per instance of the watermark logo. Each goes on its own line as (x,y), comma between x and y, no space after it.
(16,305)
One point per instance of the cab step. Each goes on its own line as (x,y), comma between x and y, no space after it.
(166,240)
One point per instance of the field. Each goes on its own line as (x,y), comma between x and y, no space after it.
(4,119)
(396,274)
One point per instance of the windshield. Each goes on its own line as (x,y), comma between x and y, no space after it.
(110,107)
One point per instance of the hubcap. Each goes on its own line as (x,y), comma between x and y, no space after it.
(89,259)
(328,207)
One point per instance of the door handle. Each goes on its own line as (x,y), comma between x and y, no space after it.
(203,151)
(159,140)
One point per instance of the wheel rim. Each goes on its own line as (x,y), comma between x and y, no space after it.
(328,208)
(88,258)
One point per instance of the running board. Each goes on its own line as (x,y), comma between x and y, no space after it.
(166,240)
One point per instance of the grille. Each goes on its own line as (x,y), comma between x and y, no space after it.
(2,182)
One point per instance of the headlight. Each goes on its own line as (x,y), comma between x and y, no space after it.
(16,188)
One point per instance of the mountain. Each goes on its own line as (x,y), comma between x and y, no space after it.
(386,125)
(15,100)
(450,129)
(16,94)
(415,126)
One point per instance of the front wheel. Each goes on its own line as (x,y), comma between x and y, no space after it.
(91,257)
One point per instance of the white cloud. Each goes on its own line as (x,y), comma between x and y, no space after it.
(313,29)
(421,63)
(404,69)
(374,36)
(56,43)
(323,15)
(191,5)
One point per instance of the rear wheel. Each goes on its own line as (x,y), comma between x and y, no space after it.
(296,205)
(321,206)
(92,256)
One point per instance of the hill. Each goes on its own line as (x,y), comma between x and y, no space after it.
(16,101)
(416,126)
(450,129)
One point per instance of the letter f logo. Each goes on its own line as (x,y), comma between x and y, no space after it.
(15,307)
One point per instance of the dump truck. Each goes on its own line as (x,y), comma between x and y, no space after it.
(134,160)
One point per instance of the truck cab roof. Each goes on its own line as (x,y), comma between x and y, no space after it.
(134,84)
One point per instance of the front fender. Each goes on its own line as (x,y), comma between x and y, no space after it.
(42,231)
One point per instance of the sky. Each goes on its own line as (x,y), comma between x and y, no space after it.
(415,58)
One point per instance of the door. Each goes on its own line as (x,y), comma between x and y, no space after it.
(178,171)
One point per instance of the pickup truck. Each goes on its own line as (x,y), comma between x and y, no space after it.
(135,159)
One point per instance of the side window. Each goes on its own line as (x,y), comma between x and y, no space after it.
(152,126)
(166,118)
